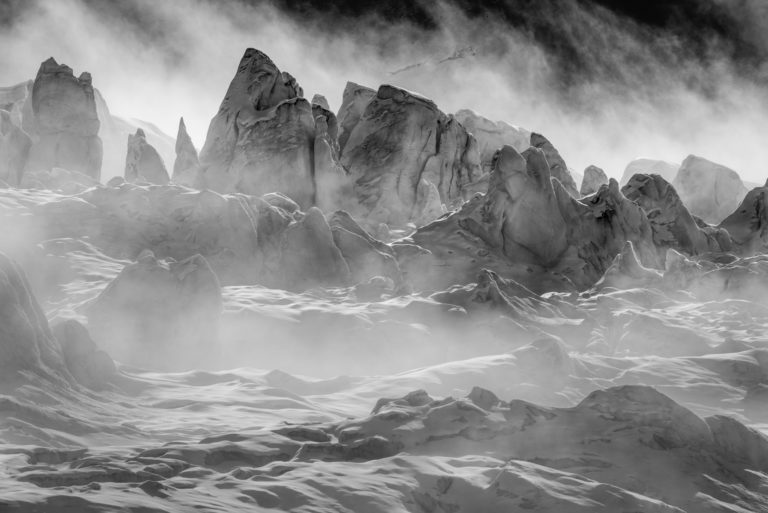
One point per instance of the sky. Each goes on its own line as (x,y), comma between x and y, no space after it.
(605,81)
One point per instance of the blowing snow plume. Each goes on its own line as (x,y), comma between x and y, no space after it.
(366,275)
(605,81)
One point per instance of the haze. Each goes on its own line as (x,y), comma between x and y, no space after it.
(181,57)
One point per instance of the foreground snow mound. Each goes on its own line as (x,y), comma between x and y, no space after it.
(710,191)
(621,449)
(528,228)
(401,483)
(631,437)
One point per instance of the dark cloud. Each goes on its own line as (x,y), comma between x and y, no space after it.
(607,81)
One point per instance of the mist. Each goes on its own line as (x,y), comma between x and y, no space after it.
(631,90)
(371,312)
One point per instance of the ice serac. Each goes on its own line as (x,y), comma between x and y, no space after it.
(521,200)
(320,101)
(401,139)
(492,135)
(186,163)
(262,138)
(142,162)
(310,256)
(356,98)
(366,256)
(557,165)
(14,149)
(748,224)
(710,191)
(673,225)
(66,124)
(333,187)
(668,170)
(598,228)
(156,312)
(627,272)
(594,177)
(17,100)
(114,132)
(528,228)
(58,179)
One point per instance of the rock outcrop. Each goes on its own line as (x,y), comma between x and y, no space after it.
(667,170)
(142,162)
(673,226)
(557,166)
(186,163)
(66,124)
(709,190)
(156,313)
(399,140)
(14,149)
(528,228)
(594,177)
(492,135)
(263,136)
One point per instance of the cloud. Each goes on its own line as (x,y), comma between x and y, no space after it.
(604,88)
